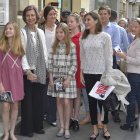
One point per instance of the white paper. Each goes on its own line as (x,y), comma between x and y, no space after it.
(118,49)
(100,91)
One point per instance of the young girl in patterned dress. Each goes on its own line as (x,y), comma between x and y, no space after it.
(63,65)
(11,76)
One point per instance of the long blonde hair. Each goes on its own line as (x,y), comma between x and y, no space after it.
(78,19)
(16,46)
(67,40)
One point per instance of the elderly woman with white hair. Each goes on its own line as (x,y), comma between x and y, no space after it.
(127,24)
(123,23)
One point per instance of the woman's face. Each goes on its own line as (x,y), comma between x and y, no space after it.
(31,18)
(72,23)
(60,35)
(90,23)
(52,16)
(9,31)
(82,15)
(122,24)
(136,29)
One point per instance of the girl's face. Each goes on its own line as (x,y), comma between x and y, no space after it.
(72,23)
(52,16)
(9,31)
(31,17)
(136,29)
(90,23)
(60,34)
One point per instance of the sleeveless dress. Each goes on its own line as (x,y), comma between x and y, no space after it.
(11,74)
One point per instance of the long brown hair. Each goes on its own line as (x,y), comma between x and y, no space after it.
(67,40)
(98,28)
(17,48)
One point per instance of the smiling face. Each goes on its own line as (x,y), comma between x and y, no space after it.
(90,23)
(104,15)
(52,16)
(122,24)
(136,28)
(9,31)
(60,35)
(30,18)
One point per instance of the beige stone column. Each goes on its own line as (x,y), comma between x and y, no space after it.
(86,5)
(76,6)
(91,5)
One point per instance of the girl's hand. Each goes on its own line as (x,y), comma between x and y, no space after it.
(51,82)
(122,55)
(82,78)
(66,82)
(1,88)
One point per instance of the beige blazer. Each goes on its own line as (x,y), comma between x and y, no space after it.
(133,57)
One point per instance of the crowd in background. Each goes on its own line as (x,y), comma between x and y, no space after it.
(48,65)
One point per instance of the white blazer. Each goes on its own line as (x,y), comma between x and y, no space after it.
(25,64)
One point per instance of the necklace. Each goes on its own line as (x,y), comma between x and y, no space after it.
(50,28)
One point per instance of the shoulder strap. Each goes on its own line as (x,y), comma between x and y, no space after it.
(5,55)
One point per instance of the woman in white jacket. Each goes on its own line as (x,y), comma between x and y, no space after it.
(34,65)
(133,74)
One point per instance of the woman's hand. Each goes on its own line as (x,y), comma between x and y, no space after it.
(122,55)
(1,88)
(66,82)
(82,78)
(51,83)
(31,76)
